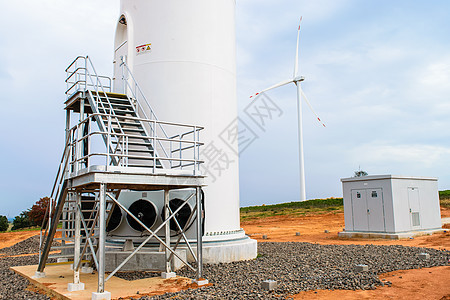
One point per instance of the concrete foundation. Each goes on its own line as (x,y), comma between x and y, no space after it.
(165,275)
(269,285)
(215,250)
(201,282)
(229,251)
(142,261)
(424,256)
(101,296)
(73,287)
(58,277)
(384,235)
(361,268)
(39,274)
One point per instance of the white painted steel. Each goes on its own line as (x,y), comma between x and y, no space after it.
(77,244)
(189,76)
(375,210)
(301,157)
(387,204)
(359,211)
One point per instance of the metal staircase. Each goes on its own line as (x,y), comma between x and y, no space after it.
(128,132)
(117,143)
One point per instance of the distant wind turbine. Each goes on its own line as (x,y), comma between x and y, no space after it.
(297,79)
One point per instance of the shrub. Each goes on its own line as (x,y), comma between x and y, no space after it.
(21,221)
(37,212)
(4,224)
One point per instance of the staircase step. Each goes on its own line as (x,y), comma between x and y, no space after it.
(141,151)
(158,166)
(67,246)
(121,106)
(131,130)
(136,143)
(110,95)
(119,112)
(129,123)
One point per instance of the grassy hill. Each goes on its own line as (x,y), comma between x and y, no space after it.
(316,206)
(444,197)
(293,208)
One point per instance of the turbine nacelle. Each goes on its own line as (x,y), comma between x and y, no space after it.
(298,79)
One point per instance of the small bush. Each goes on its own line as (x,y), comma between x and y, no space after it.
(4,223)
(21,221)
(37,211)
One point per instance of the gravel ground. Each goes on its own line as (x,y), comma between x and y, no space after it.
(135,275)
(295,266)
(28,246)
(304,266)
(13,286)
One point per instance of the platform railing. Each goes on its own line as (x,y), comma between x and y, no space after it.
(188,143)
(81,76)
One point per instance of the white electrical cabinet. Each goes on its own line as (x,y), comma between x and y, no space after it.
(391,206)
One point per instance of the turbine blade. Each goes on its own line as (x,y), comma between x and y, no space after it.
(274,87)
(296,51)
(310,107)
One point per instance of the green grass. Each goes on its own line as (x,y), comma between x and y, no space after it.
(317,206)
(27,229)
(444,197)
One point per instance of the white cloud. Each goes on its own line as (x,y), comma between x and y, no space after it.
(413,156)
(437,75)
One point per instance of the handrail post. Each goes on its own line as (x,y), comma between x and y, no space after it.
(85,73)
(195,147)
(181,156)
(77,149)
(199,235)
(154,149)
(198,150)
(170,149)
(126,139)
(108,142)
(88,140)
(102,238)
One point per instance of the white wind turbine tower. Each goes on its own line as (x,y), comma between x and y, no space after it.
(297,79)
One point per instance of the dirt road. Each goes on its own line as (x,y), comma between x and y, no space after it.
(8,239)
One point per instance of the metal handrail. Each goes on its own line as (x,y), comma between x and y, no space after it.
(86,74)
(74,61)
(122,154)
(59,180)
(199,128)
(138,88)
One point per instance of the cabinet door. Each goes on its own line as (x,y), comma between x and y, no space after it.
(414,207)
(375,211)
(359,205)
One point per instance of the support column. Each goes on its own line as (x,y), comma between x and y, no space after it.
(168,268)
(101,294)
(199,280)
(76,285)
(199,234)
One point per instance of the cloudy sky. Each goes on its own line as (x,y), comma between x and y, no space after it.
(377,72)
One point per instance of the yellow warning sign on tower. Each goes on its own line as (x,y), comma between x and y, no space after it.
(143,49)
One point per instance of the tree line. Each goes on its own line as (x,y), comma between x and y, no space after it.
(31,217)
